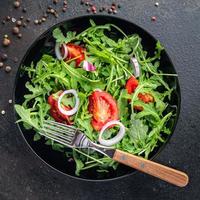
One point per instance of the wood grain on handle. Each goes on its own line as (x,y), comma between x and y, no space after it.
(165,173)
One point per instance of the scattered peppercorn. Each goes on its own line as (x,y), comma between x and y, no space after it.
(8,18)
(4,56)
(52,11)
(88,10)
(3,112)
(16,4)
(43,19)
(114,11)
(93,8)
(19,35)
(19,23)
(49,7)
(15,30)
(90,4)
(1,64)
(100,9)
(10,101)
(24,25)
(113,7)
(110,11)
(8,69)
(82,2)
(6,42)
(153,18)
(55,1)
(3,22)
(36,21)
(24,10)
(39,21)
(56,15)
(119,5)
(156,4)
(28,20)
(64,9)
(87,3)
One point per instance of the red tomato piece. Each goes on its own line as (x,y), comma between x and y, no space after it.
(131,84)
(103,107)
(146,97)
(55,112)
(75,51)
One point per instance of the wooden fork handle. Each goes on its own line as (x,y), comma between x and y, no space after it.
(165,173)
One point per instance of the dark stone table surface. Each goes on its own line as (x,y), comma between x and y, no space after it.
(24,177)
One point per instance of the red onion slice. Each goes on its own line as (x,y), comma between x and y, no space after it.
(73,110)
(58,52)
(117,138)
(136,67)
(88,66)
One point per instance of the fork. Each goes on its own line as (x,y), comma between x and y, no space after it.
(72,137)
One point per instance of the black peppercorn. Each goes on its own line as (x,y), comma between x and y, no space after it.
(36,21)
(15,30)
(8,18)
(55,1)
(16,4)
(1,64)
(24,25)
(19,35)
(21,17)
(24,10)
(6,42)
(3,22)
(43,19)
(19,23)
(8,68)
(64,9)
(28,20)
(4,56)
(110,11)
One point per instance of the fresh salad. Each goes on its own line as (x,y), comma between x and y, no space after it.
(92,79)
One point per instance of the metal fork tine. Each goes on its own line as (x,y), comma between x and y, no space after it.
(56,134)
(60,125)
(65,143)
(60,130)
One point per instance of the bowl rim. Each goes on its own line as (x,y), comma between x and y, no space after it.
(160,149)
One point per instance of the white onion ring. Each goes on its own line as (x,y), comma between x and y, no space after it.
(73,110)
(58,53)
(136,67)
(114,140)
(98,90)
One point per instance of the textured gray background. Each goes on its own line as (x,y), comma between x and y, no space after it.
(24,176)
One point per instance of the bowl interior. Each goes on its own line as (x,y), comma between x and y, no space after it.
(56,159)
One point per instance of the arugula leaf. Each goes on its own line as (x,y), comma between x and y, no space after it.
(27,117)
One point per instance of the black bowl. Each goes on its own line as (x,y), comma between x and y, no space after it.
(57,160)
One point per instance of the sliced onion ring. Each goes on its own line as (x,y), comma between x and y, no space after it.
(136,67)
(58,52)
(73,110)
(114,140)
